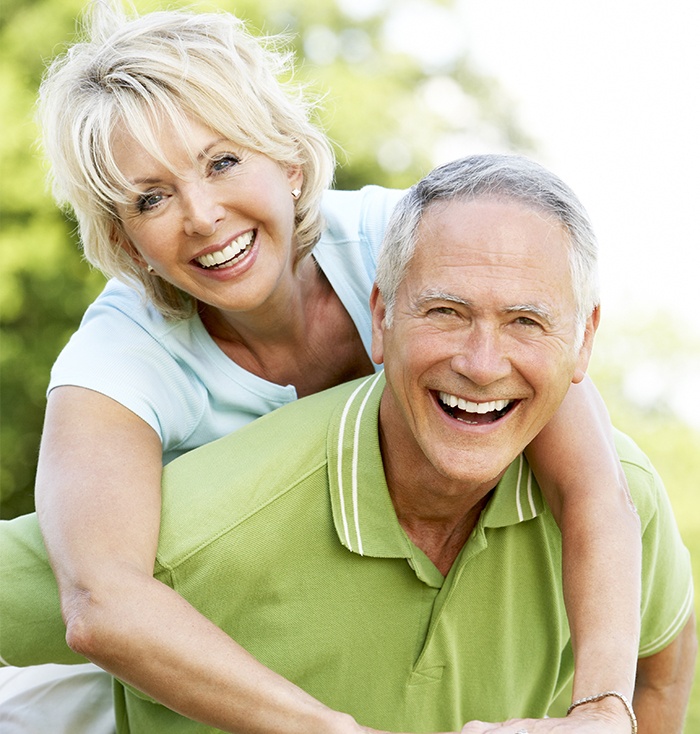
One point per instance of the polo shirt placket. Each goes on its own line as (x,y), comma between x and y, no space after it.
(366,524)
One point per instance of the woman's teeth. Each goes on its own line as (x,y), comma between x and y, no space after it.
(233,252)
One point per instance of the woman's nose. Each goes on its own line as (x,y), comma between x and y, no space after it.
(202,213)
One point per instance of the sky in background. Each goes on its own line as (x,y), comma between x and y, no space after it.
(610,91)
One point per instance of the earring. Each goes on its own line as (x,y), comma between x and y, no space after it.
(296,193)
(150,270)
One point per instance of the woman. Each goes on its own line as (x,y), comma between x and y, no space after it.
(197,181)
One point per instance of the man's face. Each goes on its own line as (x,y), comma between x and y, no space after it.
(480,352)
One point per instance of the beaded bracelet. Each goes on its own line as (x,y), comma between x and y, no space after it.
(606,694)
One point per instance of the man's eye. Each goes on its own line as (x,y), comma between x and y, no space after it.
(442,311)
(526,321)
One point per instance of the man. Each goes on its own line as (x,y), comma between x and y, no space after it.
(391,553)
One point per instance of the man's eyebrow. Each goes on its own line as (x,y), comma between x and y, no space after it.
(536,309)
(435,295)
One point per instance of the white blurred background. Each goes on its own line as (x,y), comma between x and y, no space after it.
(610,92)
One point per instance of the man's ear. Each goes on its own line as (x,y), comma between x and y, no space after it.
(584,355)
(378,309)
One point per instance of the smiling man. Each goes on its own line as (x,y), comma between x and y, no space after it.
(391,554)
(480,339)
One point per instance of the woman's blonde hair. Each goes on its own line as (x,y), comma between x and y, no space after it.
(134,73)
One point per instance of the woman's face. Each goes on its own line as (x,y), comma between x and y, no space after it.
(220,229)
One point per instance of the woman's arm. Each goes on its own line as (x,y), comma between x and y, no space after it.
(98,500)
(576,465)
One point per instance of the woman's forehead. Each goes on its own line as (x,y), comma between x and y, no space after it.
(167,142)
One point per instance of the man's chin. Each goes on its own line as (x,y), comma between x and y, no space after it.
(474,470)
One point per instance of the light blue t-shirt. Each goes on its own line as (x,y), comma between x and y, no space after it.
(174,376)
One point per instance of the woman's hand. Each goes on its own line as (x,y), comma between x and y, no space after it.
(602,718)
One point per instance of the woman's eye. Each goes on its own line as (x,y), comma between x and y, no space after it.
(224,163)
(147,202)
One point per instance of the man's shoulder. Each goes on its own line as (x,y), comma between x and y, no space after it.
(645,484)
(218,485)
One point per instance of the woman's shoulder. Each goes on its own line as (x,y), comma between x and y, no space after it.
(119,303)
(361,213)
(126,350)
(122,331)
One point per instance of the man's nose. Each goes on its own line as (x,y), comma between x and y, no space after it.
(482,357)
(201,212)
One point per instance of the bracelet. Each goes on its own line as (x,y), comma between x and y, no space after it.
(600,696)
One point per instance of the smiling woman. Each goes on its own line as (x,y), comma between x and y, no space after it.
(141,118)
(239,283)
(213,219)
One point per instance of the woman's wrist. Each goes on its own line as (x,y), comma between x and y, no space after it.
(611,706)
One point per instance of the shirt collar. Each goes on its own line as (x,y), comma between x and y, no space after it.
(363,512)
(517,497)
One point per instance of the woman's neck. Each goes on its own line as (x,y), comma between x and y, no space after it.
(283,320)
(306,338)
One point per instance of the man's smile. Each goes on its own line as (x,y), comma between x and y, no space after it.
(475,413)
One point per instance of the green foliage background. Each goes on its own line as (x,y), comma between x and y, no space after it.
(376,108)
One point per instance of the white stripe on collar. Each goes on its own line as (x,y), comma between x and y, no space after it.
(355,457)
(519,489)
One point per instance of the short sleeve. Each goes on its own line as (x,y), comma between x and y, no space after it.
(667,584)
(121,350)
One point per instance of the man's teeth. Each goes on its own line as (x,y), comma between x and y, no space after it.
(228,253)
(452,401)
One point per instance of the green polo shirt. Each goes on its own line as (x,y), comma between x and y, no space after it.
(285,536)
(292,546)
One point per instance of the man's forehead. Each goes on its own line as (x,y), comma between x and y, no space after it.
(465,208)
(493,233)
(499,249)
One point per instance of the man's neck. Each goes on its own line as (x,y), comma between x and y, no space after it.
(440,535)
(438,513)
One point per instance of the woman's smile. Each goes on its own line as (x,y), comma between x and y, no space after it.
(230,254)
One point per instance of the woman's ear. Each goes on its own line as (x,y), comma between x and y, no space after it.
(119,239)
(295,176)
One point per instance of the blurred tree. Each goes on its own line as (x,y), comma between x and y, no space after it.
(647,369)
(392,113)
(44,286)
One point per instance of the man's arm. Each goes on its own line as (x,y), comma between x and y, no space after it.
(663,684)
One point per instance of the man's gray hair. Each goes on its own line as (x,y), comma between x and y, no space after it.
(491,176)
